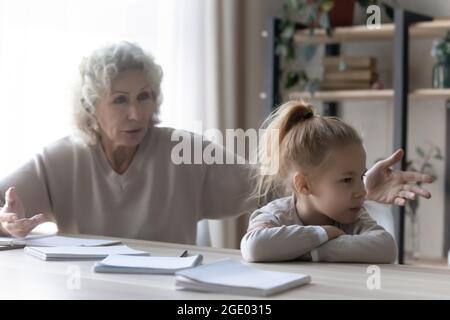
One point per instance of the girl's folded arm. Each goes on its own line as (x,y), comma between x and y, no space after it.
(374,247)
(267,241)
(370,243)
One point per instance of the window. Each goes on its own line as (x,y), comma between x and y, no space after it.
(41,45)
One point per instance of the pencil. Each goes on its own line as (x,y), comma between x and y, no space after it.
(184,254)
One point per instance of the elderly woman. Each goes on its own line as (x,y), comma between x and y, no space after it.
(119,179)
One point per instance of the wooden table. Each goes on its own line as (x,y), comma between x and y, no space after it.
(25,277)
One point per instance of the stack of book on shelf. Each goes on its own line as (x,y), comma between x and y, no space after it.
(349,73)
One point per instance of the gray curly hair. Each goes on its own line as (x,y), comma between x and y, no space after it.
(97,73)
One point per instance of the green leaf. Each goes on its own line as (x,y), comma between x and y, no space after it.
(366,3)
(301,6)
(420,152)
(288,32)
(303,76)
(312,14)
(291,50)
(313,86)
(327,5)
(438,156)
(389,11)
(309,51)
(324,20)
(285,10)
(281,50)
(363,3)
(292,79)
(292,4)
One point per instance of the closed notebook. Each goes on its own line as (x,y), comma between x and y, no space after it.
(56,241)
(137,264)
(231,277)
(80,253)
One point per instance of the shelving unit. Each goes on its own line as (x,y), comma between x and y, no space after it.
(406,25)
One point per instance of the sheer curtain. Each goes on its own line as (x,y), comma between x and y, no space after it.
(41,45)
(204,82)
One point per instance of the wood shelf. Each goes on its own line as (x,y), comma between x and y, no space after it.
(385,94)
(340,95)
(346,34)
(430,93)
(435,28)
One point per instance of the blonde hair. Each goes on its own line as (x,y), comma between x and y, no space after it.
(97,72)
(303,139)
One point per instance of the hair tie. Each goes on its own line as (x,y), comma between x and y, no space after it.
(308,115)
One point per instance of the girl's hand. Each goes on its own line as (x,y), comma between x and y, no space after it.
(385,185)
(333,232)
(12,215)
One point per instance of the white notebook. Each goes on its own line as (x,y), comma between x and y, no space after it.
(56,241)
(137,264)
(80,253)
(231,277)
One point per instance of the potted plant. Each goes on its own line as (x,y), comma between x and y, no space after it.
(441,69)
(423,164)
(311,14)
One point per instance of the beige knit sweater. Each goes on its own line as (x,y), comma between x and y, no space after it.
(155,199)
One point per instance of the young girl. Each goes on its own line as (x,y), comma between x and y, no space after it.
(321,162)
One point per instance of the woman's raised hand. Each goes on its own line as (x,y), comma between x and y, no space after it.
(386,185)
(12,216)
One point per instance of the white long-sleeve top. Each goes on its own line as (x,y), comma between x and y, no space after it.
(276,233)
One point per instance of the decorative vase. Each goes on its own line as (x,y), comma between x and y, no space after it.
(342,13)
(441,75)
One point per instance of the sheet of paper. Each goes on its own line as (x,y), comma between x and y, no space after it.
(56,241)
(60,241)
(151,262)
(12,240)
(48,253)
